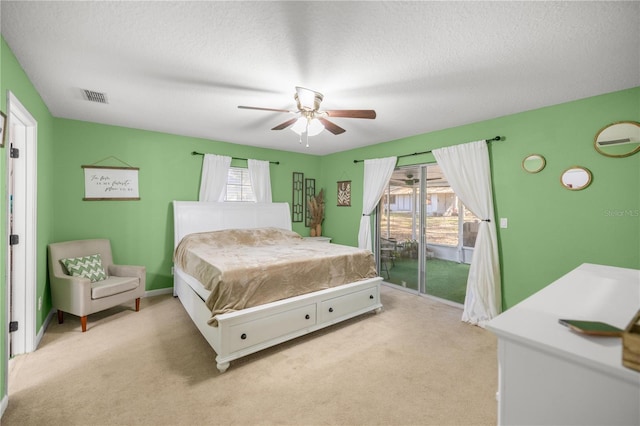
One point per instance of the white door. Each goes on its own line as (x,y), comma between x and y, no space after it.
(21,226)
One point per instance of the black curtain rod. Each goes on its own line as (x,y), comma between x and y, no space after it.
(497,138)
(235,158)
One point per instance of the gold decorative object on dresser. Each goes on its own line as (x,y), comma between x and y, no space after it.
(631,344)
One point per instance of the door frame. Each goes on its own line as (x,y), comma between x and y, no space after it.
(26,333)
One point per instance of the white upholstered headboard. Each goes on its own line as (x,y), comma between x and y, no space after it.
(200,216)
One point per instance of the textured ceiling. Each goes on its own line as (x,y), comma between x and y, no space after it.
(183,67)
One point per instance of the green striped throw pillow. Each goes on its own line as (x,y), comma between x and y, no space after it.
(86,266)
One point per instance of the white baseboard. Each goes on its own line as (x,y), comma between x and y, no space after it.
(3,405)
(45,324)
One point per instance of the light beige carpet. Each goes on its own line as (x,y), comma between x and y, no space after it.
(415,363)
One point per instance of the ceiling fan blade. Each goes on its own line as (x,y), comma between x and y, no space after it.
(352,113)
(285,124)
(333,128)
(264,109)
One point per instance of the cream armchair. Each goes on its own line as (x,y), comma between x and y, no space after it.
(80,296)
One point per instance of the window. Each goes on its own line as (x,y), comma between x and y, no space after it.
(469,227)
(239,185)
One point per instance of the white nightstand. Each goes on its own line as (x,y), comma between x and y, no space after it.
(319,239)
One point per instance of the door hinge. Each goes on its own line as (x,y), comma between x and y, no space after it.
(13,326)
(14,152)
(14,239)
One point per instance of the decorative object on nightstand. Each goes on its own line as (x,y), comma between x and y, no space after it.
(316,211)
(344,193)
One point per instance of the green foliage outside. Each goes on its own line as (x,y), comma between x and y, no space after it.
(444,279)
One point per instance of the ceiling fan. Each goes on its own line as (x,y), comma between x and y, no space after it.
(411,181)
(309,119)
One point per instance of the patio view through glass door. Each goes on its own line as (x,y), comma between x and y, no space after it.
(426,235)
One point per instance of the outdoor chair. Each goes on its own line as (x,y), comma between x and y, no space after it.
(388,247)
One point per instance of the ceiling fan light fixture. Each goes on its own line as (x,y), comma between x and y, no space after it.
(300,125)
(315,127)
(311,126)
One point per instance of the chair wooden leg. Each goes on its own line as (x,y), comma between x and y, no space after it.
(137,304)
(83,322)
(60,316)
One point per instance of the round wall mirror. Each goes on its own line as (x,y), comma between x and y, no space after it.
(575,178)
(533,163)
(620,139)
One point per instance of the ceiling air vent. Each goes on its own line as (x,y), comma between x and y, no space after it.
(92,96)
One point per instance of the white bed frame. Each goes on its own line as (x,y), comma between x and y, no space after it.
(250,330)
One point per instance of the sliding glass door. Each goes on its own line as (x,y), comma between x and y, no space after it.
(426,236)
(449,240)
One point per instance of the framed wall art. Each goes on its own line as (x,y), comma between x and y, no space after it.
(297,202)
(344,193)
(309,193)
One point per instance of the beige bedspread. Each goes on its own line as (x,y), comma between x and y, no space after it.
(249,267)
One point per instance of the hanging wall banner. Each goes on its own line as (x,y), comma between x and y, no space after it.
(110,183)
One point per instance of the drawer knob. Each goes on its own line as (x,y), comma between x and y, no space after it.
(330,309)
(243,336)
(307,316)
(371,296)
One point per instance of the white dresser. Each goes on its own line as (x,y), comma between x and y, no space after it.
(549,375)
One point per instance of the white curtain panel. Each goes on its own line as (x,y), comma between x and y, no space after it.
(213,182)
(377,173)
(468,171)
(260,180)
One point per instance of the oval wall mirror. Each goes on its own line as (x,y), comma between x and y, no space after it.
(533,163)
(620,139)
(575,178)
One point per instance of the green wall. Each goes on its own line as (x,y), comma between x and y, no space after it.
(13,78)
(551,230)
(141,232)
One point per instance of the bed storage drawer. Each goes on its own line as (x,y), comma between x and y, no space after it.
(337,307)
(260,330)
